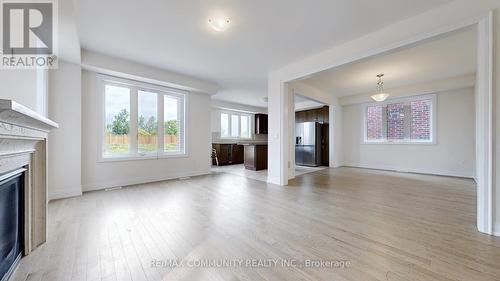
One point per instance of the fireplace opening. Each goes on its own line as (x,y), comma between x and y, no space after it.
(11,221)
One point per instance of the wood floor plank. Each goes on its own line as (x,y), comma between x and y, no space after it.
(387,226)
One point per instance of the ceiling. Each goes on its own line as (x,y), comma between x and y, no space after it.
(302,103)
(264,35)
(441,58)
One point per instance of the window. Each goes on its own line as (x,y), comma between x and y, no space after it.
(224,124)
(147,123)
(374,122)
(420,116)
(117,120)
(173,120)
(395,121)
(235,125)
(244,128)
(407,120)
(132,111)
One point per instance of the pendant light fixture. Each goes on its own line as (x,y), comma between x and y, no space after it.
(380,96)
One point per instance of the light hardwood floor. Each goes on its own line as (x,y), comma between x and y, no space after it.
(389,226)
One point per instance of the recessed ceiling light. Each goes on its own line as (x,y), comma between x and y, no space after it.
(219,24)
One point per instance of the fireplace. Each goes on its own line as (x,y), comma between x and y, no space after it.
(11,221)
(23,183)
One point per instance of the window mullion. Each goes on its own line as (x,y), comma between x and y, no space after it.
(134,111)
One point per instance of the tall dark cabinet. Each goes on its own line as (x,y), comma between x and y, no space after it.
(260,124)
(324,144)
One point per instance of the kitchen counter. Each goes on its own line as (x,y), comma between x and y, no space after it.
(253,143)
(250,142)
(255,157)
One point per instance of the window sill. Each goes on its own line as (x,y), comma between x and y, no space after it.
(124,158)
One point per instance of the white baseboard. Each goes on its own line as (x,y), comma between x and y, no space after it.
(496,231)
(437,172)
(66,193)
(140,180)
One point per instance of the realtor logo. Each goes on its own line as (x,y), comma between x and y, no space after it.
(28,29)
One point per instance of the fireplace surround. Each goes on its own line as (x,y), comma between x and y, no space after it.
(23,147)
(11,220)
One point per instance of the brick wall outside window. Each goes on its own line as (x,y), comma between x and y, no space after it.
(395,121)
(405,120)
(374,123)
(421,120)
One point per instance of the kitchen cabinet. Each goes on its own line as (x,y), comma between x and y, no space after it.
(300,116)
(260,124)
(312,115)
(229,154)
(324,143)
(320,115)
(256,157)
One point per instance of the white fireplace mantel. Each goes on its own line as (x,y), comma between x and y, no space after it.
(23,144)
(17,114)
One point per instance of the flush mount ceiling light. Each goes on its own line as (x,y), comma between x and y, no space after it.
(219,24)
(380,96)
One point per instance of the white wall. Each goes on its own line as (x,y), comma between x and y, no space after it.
(65,107)
(126,69)
(20,85)
(496,123)
(453,154)
(98,175)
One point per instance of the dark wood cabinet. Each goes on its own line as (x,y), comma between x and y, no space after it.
(237,154)
(300,116)
(312,115)
(322,115)
(228,154)
(319,115)
(260,124)
(324,143)
(256,157)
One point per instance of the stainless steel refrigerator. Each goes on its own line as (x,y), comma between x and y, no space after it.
(307,144)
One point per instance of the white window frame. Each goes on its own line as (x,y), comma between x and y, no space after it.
(239,114)
(135,87)
(433,120)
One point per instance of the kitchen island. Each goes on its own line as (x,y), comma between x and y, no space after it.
(255,156)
